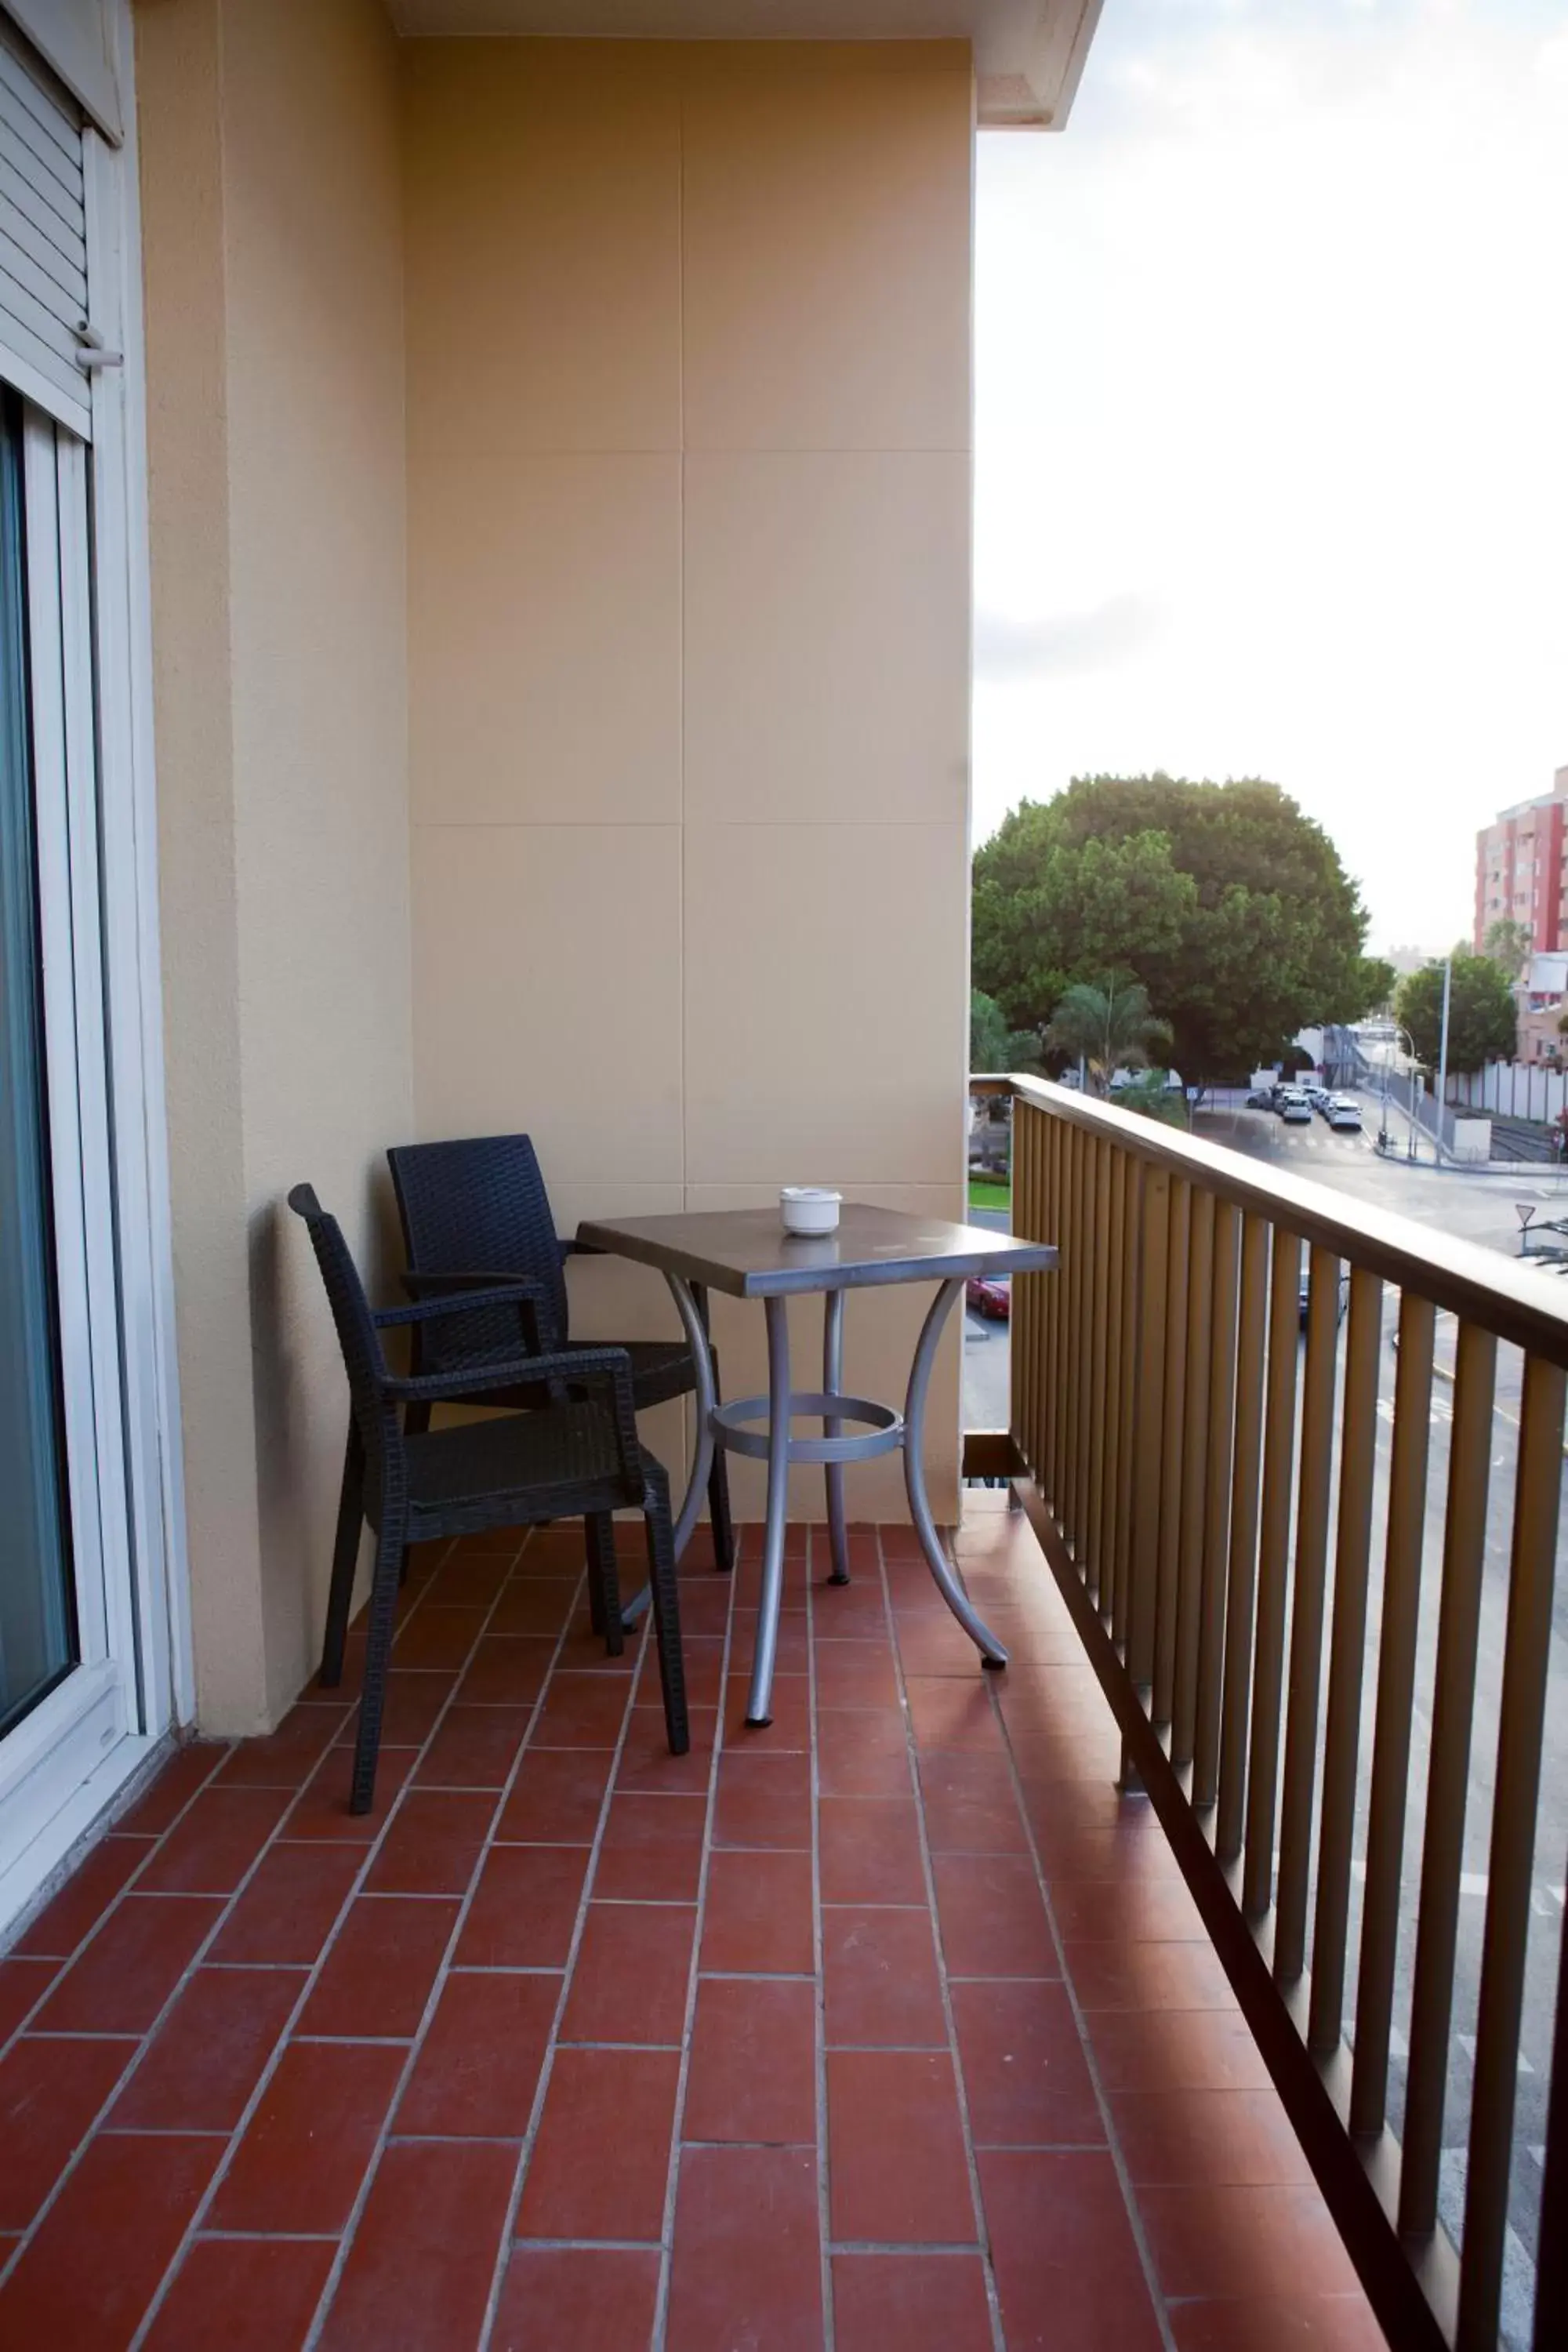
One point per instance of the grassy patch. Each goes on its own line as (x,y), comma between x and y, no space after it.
(984,1194)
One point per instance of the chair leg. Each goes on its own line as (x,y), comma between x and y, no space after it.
(345,1558)
(719,1486)
(604,1582)
(389,1552)
(665,1613)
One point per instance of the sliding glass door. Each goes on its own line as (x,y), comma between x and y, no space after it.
(39,1644)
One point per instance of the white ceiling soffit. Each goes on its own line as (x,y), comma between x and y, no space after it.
(75,37)
(1028,54)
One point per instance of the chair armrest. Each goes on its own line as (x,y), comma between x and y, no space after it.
(572,1365)
(461,1301)
(419,1284)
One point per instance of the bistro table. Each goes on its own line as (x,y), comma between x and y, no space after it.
(747,1253)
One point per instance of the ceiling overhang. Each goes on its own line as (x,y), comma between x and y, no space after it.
(1028,54)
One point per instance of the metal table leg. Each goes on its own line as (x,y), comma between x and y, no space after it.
(992,1652)
(771,1601)
(832,1474)
(696,1330)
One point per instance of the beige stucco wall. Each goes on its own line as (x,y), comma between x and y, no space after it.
(273,236)
(689,436)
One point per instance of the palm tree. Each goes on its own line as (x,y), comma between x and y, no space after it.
(1108,1028)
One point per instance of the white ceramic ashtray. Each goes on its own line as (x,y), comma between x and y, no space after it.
(809,1209)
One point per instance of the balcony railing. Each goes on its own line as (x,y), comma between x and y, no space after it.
(1325,1660)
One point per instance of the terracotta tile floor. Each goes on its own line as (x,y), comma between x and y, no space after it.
(891,2026)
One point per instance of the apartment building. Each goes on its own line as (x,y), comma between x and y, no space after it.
(1519,871)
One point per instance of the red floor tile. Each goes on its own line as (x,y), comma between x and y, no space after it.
(507,1670)
(759,1914)
(880,1979)
(969,1804)
(130,1967)
(651,1851)
(22,1984)
(556,1796)
(248,2294)
(478,2065)
(947,1711)
(187,1770)
(862,1752)
(746,2267)
(437,1637)
(1243,2241)
(210,1850)
(1303,2323)
(1175,2050)
(602,2157)
(994,1922)
(856,1674)
(287,1756)
(581,1711)
(896,2170)
(1068,2270)
(598,2299)
(634,1966)
(1025,2074)
(753,2075)
(433,1842)
(870,1850)
(1130,1909)
(921,2302)
(207,2056)
(420,2266)
(81,1902)
(377,1977)
(321,1809)
(49,2094)
(788,1727)
(536,1606)
(763,1800)
(1149,1976)
(524,1907)
(304,2153)
(286,1914)
(1230,2138)
(129,2200)
(646,1766)
(475,1748)
(415,1698)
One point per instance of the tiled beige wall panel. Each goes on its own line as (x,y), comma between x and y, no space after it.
(826,239)
(827,638)
(543,189)
(545,613)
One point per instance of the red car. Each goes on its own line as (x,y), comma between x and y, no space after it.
(992,1299)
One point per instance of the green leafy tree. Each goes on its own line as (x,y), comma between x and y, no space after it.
(1108,1028)
(1482,1023)
(1152,1098)
(1508,944)
(1229,905)
(992,1045)
(1376,981)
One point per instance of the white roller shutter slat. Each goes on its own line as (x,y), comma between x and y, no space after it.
(42,238)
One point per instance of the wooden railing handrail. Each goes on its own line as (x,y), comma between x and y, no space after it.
(1499,1294)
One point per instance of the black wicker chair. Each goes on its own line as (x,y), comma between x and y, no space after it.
(481,1204)
(575,1457)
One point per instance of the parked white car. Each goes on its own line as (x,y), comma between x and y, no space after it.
(1344,1111)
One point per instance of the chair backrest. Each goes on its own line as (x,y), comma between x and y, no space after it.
(479,1206)
(363,1359)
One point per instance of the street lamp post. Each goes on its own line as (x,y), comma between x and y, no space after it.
(1443,1055)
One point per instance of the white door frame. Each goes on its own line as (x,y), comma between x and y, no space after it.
(68,1760)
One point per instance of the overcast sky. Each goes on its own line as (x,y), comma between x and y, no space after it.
(1273,423)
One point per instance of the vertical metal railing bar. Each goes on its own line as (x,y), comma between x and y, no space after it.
(1154,1245)
(1447,1778)
(1043,1211)
(1024,1336)
(1252,1324)
(1551,2254)
(1273,1571)
(1510,1868)
(1199,1313)
(1083,1309)
(1138,1178)
(1058,1401)
(1347,1659)
(1217,1501)
(1395,1705)
(1098,1416)
(1114,1432)
(1172,1424)
(1071,1268)
(1308,1588)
